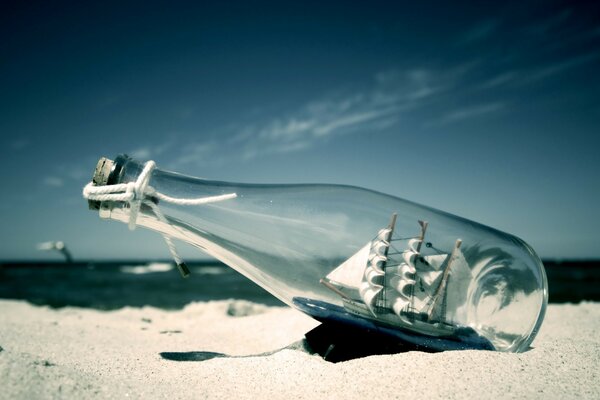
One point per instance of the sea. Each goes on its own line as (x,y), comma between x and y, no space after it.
(110,285)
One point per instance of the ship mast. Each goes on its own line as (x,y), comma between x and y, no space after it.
(440,292)
(382,299)
(423,225)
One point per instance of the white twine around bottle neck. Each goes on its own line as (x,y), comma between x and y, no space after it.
(138,192)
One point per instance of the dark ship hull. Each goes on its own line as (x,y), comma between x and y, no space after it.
(461,338)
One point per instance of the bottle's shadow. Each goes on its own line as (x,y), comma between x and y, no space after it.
(329,341)
(191,355)
(300,345)
(333,342)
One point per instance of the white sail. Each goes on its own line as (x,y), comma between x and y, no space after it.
(429,275)
(380,248)
(350,273)
(430,268)
(399,304)
(377,262)
(459,279)
(402,285)
(413,244)
(374,277)
(364,270)
(384,234)
(369,294)
(372,283)
(400,281)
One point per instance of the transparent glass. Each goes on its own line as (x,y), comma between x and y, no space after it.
(361,257)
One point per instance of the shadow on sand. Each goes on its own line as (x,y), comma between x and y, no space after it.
(332,344)
(300,345)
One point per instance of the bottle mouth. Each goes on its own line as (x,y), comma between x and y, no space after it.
(107,172)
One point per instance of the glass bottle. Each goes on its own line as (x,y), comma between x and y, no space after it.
(354,256)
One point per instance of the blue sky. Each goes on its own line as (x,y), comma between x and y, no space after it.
(488,111)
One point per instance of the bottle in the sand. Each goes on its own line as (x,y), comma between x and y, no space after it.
(345,255)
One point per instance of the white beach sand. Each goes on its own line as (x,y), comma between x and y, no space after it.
(83,353)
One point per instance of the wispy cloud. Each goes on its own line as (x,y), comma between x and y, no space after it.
(196,154)
(142,153)
(548,44)
(71,176)
(351,121)
(499,80)
(470,112)
(323,118)
(538,73)
(379,105)
(549,24)
(392,93)
(550,70)
(151,151)
(53,181)
(390,97)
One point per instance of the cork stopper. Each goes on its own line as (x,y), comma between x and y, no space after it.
(104,167)
(102,171)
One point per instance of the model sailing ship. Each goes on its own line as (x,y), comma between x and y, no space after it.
(402,287)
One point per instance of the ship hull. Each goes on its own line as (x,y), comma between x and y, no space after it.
(461,338)
(412,323)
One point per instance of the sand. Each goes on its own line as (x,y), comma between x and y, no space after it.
(235,349)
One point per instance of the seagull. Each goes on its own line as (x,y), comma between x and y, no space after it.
(58,246)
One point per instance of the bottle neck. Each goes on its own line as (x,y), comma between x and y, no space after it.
(108,193)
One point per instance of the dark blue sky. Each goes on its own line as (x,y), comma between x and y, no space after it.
(489,111)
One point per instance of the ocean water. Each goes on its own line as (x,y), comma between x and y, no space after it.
(112,285)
